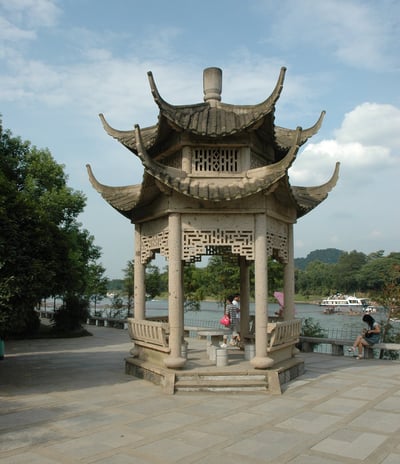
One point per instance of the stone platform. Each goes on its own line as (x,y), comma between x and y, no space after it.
(69,401)
(202,374)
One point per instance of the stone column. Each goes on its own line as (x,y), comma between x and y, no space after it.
(175,288)
(244,296)
(288,278)
(139,292)
(261,361)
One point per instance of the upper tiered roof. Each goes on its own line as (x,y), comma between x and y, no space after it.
(214,124)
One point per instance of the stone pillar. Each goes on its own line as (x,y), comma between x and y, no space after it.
(261,361)
(175,298)
(244,296)
(288,278)
(139,292)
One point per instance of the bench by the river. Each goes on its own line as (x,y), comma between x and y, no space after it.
(369,352)
(308,343)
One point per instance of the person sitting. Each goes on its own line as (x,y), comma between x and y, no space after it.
(279,313)
(368,337)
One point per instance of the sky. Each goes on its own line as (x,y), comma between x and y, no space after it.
(64,62)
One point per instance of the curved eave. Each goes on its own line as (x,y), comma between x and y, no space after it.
(128,138)
(251,182)
(284,136)
(220,119)
(153,166)
(123,199)
(307,198)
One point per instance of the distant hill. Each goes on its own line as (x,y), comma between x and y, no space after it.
(329,256)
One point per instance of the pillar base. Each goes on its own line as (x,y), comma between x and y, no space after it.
(261,363)
(174,363)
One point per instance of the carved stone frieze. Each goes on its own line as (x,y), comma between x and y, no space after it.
(277,239)
(204,241)
(152,243)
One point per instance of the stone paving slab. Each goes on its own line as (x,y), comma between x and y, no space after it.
(69,401)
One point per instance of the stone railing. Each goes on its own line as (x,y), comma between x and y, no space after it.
(107,322)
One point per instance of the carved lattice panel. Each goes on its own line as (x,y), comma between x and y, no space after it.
(277,246)
(152,243)
(200,242)
(277,240)
(219,160)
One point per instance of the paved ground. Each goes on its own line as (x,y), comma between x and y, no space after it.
(69,401)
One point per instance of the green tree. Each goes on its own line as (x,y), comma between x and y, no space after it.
(275,276)
(193,285)
(43,250)
(152,281)
(222,277)
(377,273)
(328,256)
(129,284)
(316,279)
(96,288)
(346,272)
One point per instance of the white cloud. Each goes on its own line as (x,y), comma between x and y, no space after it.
(360,34)
(371,124)
(367,142)
(33,13)
(10,32)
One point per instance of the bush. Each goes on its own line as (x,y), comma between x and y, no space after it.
(20,323)
(310,328)
(71,314)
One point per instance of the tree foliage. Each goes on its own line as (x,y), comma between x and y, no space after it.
(43,249)
(328,256)
(152,281)
(355,272)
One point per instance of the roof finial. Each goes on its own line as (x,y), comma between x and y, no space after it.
(212,85)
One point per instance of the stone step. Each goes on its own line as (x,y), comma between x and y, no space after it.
(220,377)
(222,383)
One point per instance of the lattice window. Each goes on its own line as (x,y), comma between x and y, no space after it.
(212,241)
(277,246)
(216,160)
(152,243)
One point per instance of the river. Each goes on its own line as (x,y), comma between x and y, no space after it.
(334,325)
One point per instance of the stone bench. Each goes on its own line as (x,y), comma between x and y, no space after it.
(339,344)
(308,343)
(369,350)
(282,334)
(149,334)
(282,338)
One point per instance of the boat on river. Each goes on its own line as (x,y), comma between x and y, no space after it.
(344,304)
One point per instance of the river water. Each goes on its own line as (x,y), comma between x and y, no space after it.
(334,325)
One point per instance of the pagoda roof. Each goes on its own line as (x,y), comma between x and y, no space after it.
(213,120)
(125,199)
(216,119)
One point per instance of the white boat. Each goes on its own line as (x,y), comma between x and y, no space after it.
(344,304)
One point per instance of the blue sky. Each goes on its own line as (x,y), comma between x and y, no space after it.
(64,62)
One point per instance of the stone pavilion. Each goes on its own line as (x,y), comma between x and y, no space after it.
(215,182)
